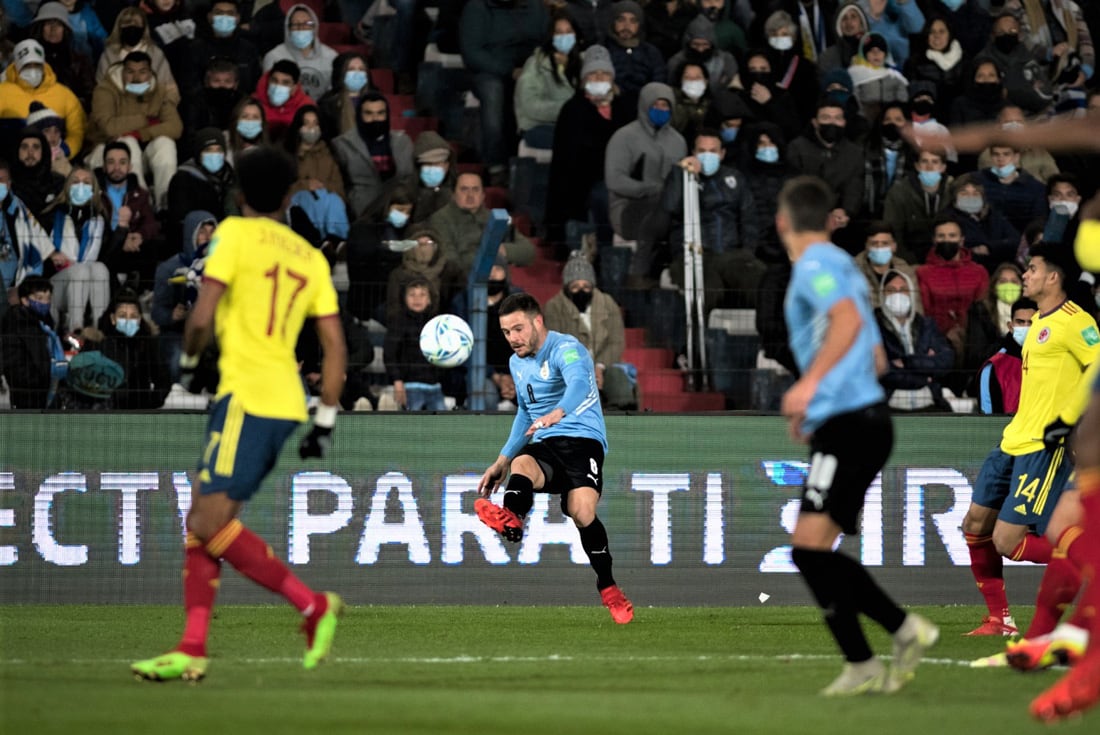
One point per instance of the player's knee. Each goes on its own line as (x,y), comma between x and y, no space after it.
(582,516)
(200,526)
(1005,540)
(526,466)
(978,520)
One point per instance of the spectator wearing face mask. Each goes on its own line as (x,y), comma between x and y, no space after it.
(128,341)
(371,258)
(548,79)
(202,184)
(984,95)
(988,315)
(371,154)
(879,257)
(918,356)
(701,47)
(998,381)
(792,69)
(130,34)
(1010,190)
(302,47)
(350,80)
(990,238)
(31,357)
(75,70)
(728,36)
(1026,81)
(176,287)
(436,173)
(636,61)
(1036,161)
(30,79)
(914,202)
(220,37)
(950,282)
(693,100)
(281,94)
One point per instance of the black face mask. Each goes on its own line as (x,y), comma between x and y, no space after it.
(221,98)
(987,92)
(1007,43)
(130,35)
(496,288)
(580,299)
(763,78)
(946,249)
(923,107)
(373,130)
(829,132)
(712,14)
(699,57)
(891,133)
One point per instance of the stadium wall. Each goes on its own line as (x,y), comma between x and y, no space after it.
(697,507)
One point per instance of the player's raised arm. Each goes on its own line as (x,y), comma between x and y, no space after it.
(1060,136)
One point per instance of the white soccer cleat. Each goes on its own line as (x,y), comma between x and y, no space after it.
(915,636)
(866,677)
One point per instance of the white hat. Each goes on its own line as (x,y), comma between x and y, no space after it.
(28,52)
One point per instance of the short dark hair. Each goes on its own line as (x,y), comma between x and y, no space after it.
(265,175)
(945,219)
(34,284)
(1060,258)
(222,65)
(418,282)
(685,64)
(1023,303)
(116,145)
(524,302)
(1062,178)
(286,66)
(126,296)
(4,165)
(879,227)
(708,133)
(807,201)
(137,57)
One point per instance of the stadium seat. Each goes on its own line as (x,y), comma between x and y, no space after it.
(401,105)
(496,197)
(335,34)
(382,80)
(414,126)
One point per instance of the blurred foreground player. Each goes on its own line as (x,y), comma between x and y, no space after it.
(839,407)
(260,283)
(557,444)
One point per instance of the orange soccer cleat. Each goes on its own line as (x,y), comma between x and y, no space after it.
(1073,693)
(501,520)
(1065,646)
(621,609)
(995,626)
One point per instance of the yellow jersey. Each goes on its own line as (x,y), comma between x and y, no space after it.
(274,280)
(1059,347)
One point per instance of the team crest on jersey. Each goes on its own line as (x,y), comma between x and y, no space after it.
(1044,335)
(731,182)
(544,371)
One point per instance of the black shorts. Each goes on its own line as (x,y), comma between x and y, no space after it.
(568,463)
(846,453)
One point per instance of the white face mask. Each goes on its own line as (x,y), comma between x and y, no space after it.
(1064,207)
(781,43)
(694,88)
(597,89)
(32,77)
(897,304)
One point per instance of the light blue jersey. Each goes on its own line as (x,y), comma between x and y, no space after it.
(560,375)
(824,275)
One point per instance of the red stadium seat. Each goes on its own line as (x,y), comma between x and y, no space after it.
(414,126)
(334,34)
(382,80)
(496,197)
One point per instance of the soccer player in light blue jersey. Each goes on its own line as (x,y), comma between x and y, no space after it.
(557,444)
(838,407)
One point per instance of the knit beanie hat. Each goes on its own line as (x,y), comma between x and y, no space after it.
(597,58)
(42,117)
(578,269)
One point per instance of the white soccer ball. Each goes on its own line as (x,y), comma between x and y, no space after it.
(446,341)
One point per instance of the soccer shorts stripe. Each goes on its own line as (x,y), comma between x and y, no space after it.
(231,436)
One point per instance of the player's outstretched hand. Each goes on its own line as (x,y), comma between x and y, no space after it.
(316,443)
(1055,434)
(492,478)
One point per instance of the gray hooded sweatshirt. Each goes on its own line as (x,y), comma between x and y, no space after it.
(315,60)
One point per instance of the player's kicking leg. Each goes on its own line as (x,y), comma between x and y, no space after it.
(519,495)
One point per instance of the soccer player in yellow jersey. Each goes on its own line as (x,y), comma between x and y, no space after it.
(261,282)
(1020,481)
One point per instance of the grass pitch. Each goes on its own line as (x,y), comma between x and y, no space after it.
(515,670)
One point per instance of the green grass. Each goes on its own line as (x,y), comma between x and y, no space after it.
(522,671)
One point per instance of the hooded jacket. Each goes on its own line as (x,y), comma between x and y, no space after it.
(37,185)
(16,97)
(949,287)
(362,180)
(116,112)
(113,53)
(639,155)
(639,64)
(721,65)
(315,61)
(166,294)
(766,180)
(874,280)
(278,119)
(841,54)
(911,341)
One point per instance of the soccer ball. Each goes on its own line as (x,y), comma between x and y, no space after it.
(446,341)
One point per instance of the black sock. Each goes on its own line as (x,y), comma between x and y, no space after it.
(519,495)
(594,540)
(824,575)
(869,598)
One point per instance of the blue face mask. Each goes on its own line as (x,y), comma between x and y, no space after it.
(138,88)
(278,94)
(1003,172)
(729,135)
(432,176)
(953,5)
(931,179)
(710,162)
(250,129)
(301,39)
(564,42)
(224,25)
(880,256)
(767,154)
(40,308)
(397,218)
(3,192)
(1019,333)
(127,327)
(659,118)
(355,80)
(213,161)
(80,194)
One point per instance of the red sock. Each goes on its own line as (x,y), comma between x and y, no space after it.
(1087,548)
(1033,548)
(1059,586)
(253,558)
(201,577)
(988,569)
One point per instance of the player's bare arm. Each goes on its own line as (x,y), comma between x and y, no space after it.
(545,422)
(1065,135)
(334,362)
(200,323)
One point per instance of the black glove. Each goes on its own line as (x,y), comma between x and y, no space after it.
(1055,434)
(316,443)
(188,365)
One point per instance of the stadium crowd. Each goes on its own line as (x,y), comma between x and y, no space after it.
(122,122)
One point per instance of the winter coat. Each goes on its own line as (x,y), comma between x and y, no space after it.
(841,50)
(591,18)
(143,219)
(949,287)
(841,167)
(912,211)
(727,212)
(315,61)
(401,348)
(766,180)
(461,234)
(989,228)
(721,66)
(37,185)
(278,119)
(363,183)
(900,19)
(911,343)
(780,109)
(31,244)
(194,189)
(1036,161)
(167,295)
(116,112)
(874,279)
(317,162)
(113,53)
(606,339)
(238,49)
(1021,201)
(999,379)
(147,383)
(497,37)
(1025,79)
(944,69)
(664,30)
(539,96)
(636,66)
(25,356)
(16,97)
(639,155)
